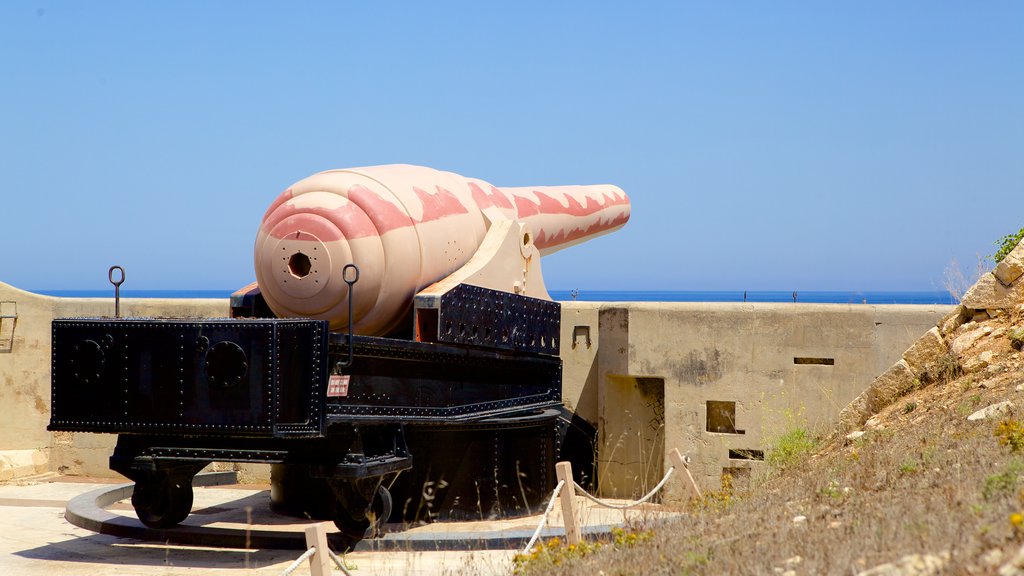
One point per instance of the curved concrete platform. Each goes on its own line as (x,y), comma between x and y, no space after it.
(234,518)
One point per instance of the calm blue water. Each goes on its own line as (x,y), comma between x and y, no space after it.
(109,293)
(605,296)
(857,297)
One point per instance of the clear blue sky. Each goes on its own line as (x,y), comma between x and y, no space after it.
(765,146)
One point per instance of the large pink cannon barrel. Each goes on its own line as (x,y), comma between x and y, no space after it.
(405,227)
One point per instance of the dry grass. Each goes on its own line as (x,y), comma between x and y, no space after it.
(924,481)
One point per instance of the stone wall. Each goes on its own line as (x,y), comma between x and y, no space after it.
(720,381)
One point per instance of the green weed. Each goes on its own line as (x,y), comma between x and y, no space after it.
(790,448)
(999,484)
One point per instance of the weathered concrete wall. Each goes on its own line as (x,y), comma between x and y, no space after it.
(764,368)
(643,372)
(25,445)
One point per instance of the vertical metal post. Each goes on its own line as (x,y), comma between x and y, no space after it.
(117,288)
(351,342)
(568,497)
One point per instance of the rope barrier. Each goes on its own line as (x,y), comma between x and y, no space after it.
(295,565)
(544,517)
(579,489)
(339,563)
(595,500)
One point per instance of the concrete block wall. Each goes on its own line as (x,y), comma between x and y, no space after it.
(720,381)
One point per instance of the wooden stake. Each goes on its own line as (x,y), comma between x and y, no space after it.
(680,464)
(320,561)
(568,497)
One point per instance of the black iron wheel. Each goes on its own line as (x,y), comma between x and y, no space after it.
(162,503)
(352,530)
(380,511)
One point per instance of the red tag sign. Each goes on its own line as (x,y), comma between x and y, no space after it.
(337,386)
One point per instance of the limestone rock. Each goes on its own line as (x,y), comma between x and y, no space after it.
(854,414)
(992,558)
(855,434)
(974,365)
(911,565)
(1011,267)
(992,411)
(953,320)
(989,292)
(925,351)
(967,339)
(1015,567)
(893,383)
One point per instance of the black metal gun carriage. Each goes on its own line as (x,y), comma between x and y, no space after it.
(357,429)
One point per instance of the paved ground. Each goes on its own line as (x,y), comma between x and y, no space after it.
(35,539)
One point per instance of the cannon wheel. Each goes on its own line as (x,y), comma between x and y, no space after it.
(357,516)
(380,511)
(162,501)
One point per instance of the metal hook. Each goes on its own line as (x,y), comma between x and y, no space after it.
(351,283)
(117,288)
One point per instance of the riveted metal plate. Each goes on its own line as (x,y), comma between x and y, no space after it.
(494,319)
(423,382)
(188,376)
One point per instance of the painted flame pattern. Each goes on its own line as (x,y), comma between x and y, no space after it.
(406,227)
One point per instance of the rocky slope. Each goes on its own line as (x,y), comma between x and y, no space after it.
(924,474)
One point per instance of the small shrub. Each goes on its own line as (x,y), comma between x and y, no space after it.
(832,490)
(968,405)
(909,407)
(720,499)
(790,447)
(1006,244)
(1011,433)
(555,551)
(946,368)
(1017,338)
(999,484)
(908,467)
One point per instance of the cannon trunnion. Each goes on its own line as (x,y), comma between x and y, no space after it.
(401,429)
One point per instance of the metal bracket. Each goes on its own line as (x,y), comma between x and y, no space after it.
(581,333)
(351,286)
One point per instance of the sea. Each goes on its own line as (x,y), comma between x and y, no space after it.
(811,296)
